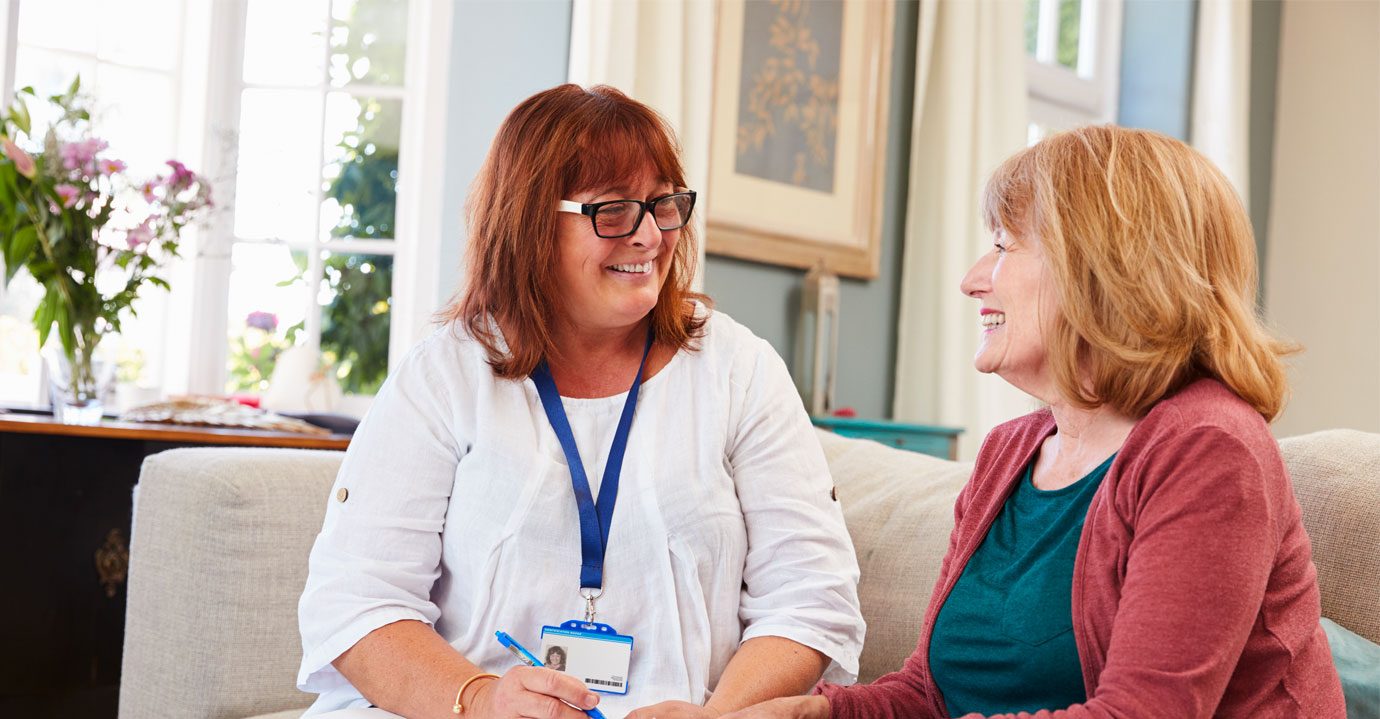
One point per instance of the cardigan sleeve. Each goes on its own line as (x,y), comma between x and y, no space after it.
(1205,537)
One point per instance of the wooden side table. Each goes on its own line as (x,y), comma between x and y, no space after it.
(927,439)
(65,507)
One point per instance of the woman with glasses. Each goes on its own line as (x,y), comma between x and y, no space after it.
(585,455)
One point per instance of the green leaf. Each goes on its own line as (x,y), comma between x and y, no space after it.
(64,323)
(27,90)
(44,314)
(18,249)
(20,115)
(76,85)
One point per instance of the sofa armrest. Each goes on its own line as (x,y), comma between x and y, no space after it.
(218,559)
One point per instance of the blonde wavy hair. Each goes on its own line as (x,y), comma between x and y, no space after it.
(1154,264)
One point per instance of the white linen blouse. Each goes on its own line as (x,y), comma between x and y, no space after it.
(454,507)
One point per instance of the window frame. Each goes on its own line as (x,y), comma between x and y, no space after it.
(1060,97)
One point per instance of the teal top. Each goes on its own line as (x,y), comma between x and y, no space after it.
(1003,641)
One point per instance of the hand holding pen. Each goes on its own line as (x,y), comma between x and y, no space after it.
(529,691)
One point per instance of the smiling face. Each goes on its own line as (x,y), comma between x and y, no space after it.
(613,283)
(1018,308)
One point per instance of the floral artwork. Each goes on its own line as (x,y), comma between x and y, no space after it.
(789,91)
(798,133)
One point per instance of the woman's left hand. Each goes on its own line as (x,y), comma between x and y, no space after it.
(674,710)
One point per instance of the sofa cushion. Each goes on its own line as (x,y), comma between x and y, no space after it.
(218,559)
(1336,476)
(899,507)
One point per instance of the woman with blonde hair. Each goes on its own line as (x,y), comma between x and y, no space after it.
(1135,548)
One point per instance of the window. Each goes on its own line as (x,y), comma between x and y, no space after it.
(1073,51)
(321,100)
(310,118)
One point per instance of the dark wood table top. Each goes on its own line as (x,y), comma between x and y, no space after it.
(26,423)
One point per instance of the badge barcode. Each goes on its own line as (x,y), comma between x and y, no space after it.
(604,682)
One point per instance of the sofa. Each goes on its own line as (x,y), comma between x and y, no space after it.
(221,537)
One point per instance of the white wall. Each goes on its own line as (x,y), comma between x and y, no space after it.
(1323,264)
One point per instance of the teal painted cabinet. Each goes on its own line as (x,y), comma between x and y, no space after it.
(927,439)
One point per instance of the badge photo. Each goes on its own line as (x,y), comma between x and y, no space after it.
(594,653)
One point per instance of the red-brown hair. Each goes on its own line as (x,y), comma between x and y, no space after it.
(556,143)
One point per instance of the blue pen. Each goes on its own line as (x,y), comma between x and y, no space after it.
(527,658)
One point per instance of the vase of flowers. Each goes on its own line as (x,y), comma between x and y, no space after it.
(92,236)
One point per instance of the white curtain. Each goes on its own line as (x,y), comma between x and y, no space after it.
(970,114)
(1222,88)
(660,52)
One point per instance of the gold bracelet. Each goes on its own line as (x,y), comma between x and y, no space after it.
(458,707)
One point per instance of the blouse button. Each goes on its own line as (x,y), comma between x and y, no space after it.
(342,495)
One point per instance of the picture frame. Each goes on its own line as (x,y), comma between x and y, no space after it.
(798,133)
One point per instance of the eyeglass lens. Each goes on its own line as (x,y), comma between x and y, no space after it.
(618,219)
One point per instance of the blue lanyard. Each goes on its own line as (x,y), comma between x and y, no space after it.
(595,519)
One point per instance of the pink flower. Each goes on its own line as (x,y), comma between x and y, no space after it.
(110,167)
(140,235)
(81,155)
(68,193)
(22,162)
(147,190)
(181,178)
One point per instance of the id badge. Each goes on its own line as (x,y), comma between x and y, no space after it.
(594,653)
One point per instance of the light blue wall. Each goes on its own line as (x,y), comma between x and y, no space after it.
(766,298)
(1157,65)
(503,51)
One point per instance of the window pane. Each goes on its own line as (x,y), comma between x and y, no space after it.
(59,25)
(285,43)
(360,177)
(356,297)
(1032,25)
(19,358)
(367,42)
(278,174)
(1069,14)
(136,114)
(145,33)
(268,304)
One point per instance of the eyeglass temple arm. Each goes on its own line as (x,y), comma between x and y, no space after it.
(568,206)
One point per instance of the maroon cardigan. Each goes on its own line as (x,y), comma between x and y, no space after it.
(1194,591)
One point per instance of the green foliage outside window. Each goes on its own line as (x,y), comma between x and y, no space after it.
(354,326)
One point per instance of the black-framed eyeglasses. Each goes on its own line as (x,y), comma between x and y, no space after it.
(620,218)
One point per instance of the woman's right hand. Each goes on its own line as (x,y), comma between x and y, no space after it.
(532,692)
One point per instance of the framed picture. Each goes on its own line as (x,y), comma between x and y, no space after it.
(798,133)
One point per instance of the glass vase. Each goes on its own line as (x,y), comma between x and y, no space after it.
(81,385)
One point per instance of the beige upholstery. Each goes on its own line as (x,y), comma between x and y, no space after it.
(899,507)
(221,537)
(217,560)
(1336,477)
